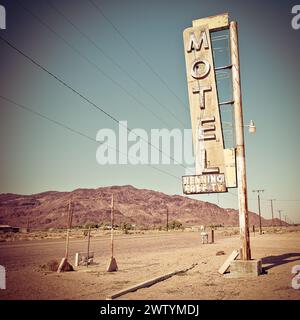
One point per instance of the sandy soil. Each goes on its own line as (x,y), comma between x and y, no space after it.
(141,257)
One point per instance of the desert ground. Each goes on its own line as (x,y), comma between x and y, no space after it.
(146,255)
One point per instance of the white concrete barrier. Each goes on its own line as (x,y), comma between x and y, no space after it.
(2,278)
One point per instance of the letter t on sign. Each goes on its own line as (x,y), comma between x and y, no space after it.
(201,91)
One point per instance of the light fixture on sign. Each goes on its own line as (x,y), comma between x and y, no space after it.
(252,127)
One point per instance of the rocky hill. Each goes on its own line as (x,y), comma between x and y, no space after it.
(132,205)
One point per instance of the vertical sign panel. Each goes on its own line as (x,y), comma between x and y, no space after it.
(205,114)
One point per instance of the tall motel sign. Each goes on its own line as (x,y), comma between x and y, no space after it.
(217,168)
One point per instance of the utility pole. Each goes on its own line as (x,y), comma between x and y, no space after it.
(279,211)
(272,211)
(113,263)
(245,251)
(64,264)
(88,247)
(70,214)
(112,219)
(27,227)
(167,219)
(258,200)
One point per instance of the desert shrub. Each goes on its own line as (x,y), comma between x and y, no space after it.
(91,225)
(144,228)
(215,226)
(125,227)
(51,265)
(175,225)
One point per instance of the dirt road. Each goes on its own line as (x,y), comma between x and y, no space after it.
(142,257)
(13,255)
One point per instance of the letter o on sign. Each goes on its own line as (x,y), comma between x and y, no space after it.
(195,72)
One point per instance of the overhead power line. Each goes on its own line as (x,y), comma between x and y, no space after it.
(46,118)
(85,98)
(93,64)
(136,51)
(114,62)
(64,126)
(287,200)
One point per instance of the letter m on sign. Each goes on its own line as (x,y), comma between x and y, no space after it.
(2,18)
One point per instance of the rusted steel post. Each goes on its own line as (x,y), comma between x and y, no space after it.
(245,251)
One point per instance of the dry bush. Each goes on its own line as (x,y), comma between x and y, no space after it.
(51,265)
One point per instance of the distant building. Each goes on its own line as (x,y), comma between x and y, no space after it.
(6,228)
(24,230)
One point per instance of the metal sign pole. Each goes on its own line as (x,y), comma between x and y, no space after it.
(245,251)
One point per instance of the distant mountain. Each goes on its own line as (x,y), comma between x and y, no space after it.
(132,205)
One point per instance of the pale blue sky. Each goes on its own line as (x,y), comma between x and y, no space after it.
(38,156)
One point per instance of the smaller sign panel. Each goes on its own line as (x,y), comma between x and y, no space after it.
(206,183)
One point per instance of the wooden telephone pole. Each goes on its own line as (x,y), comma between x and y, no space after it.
(272,211)
(113,263)
(167,219)
(64,264)
(69,225)
(88,247)
(258,201)
(279,211)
